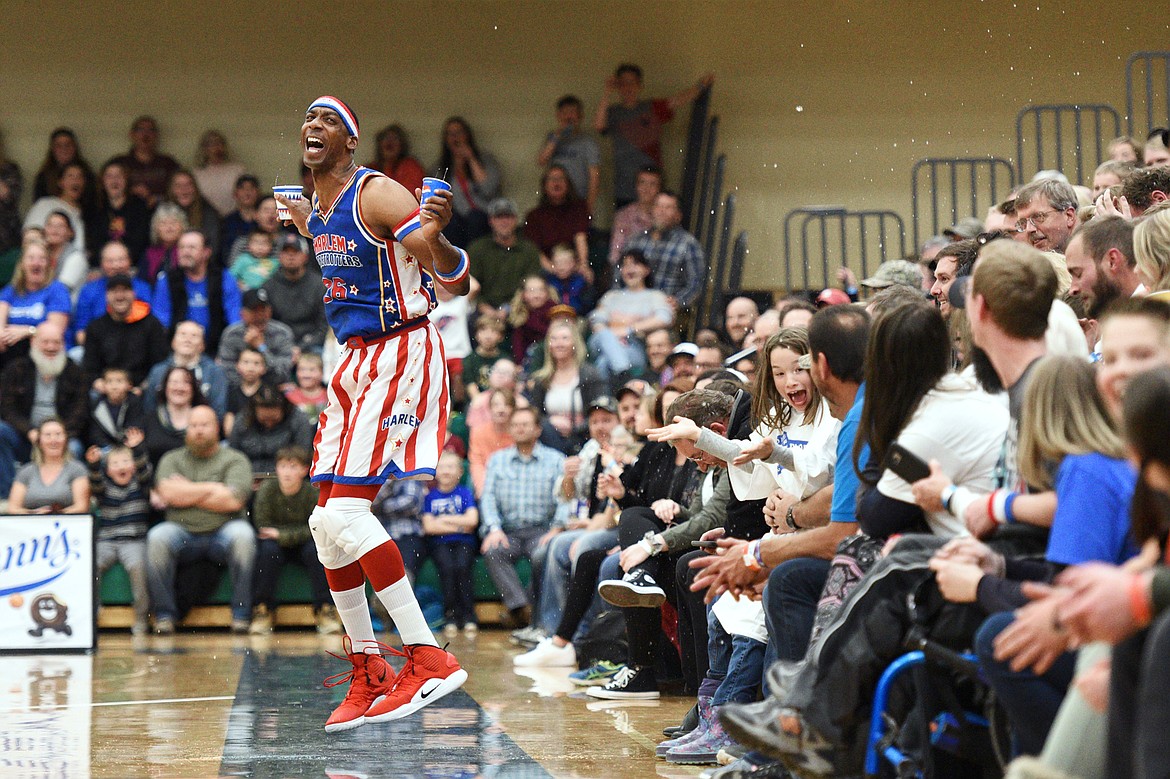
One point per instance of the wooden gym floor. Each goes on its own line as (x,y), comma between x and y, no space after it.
(208,704)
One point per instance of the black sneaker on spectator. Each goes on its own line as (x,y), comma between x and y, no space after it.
(630,683)
(636,588)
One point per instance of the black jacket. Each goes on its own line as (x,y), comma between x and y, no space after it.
(18,389)
(745,518)
(135,346)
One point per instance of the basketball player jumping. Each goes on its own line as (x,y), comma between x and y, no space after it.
(381,255)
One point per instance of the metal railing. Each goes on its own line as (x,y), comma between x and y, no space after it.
(1070,138)
(709,214)
(699,150)
(1152,69)
(955,187)
(830,237)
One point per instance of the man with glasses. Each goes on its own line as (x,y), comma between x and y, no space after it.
(1046,213)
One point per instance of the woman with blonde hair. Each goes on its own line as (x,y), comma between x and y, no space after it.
(54,482)
(564,387)
(32,297)
(1151,247)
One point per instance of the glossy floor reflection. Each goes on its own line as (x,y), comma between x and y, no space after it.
(203,705)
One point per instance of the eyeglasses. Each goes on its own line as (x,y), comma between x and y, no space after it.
(1041,216)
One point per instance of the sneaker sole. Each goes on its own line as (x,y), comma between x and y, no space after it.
(338,727)
(448,685)
(591,682)
(699,758)
(600,692)
(625,595)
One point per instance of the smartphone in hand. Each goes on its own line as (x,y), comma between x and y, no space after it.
(905,463)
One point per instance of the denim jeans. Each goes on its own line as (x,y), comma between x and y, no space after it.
(790,606)
(736,661)
(169,544)
(613,356)
(1031,700)
(558,567)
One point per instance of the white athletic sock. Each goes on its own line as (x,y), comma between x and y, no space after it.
(354,611)
(399,600)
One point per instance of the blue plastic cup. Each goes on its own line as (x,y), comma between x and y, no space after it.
(430,186)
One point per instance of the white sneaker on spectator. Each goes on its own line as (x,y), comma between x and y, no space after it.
(546,654)
(529,636)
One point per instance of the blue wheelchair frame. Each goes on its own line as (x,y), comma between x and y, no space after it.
(875,751)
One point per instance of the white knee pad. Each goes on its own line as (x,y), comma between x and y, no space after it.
(352,527)
(331,555)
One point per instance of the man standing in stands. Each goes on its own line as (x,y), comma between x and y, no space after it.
(1046,213)
(149,171)
(635,125)
(577,152)
(674,254)
(195,291)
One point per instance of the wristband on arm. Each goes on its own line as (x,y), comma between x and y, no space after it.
(460,271)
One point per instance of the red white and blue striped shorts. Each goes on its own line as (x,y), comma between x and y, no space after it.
(386,414)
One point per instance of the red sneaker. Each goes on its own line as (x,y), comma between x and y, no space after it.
(429,674)
(370,680)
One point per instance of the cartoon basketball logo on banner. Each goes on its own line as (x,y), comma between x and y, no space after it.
(46,582)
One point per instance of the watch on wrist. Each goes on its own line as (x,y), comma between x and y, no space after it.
(789,519)
(657,546)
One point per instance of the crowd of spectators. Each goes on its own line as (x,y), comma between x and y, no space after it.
(939,450)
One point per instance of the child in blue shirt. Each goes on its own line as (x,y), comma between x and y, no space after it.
(449,520)
(570,285)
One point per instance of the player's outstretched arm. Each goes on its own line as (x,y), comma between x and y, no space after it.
(386,204)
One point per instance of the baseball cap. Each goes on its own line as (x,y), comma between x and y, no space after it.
(685,348)
(562,310)
(968,227)
(294,241)
(501,206)
(604,403)
(119,280)
(832,297)
(254,298)
(894,272)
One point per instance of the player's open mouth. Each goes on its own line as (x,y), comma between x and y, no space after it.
(798,399)
(314,143)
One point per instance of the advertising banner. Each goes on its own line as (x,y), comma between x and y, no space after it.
(46,582)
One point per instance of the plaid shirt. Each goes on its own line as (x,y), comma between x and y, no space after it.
(677,260)
(519,491)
